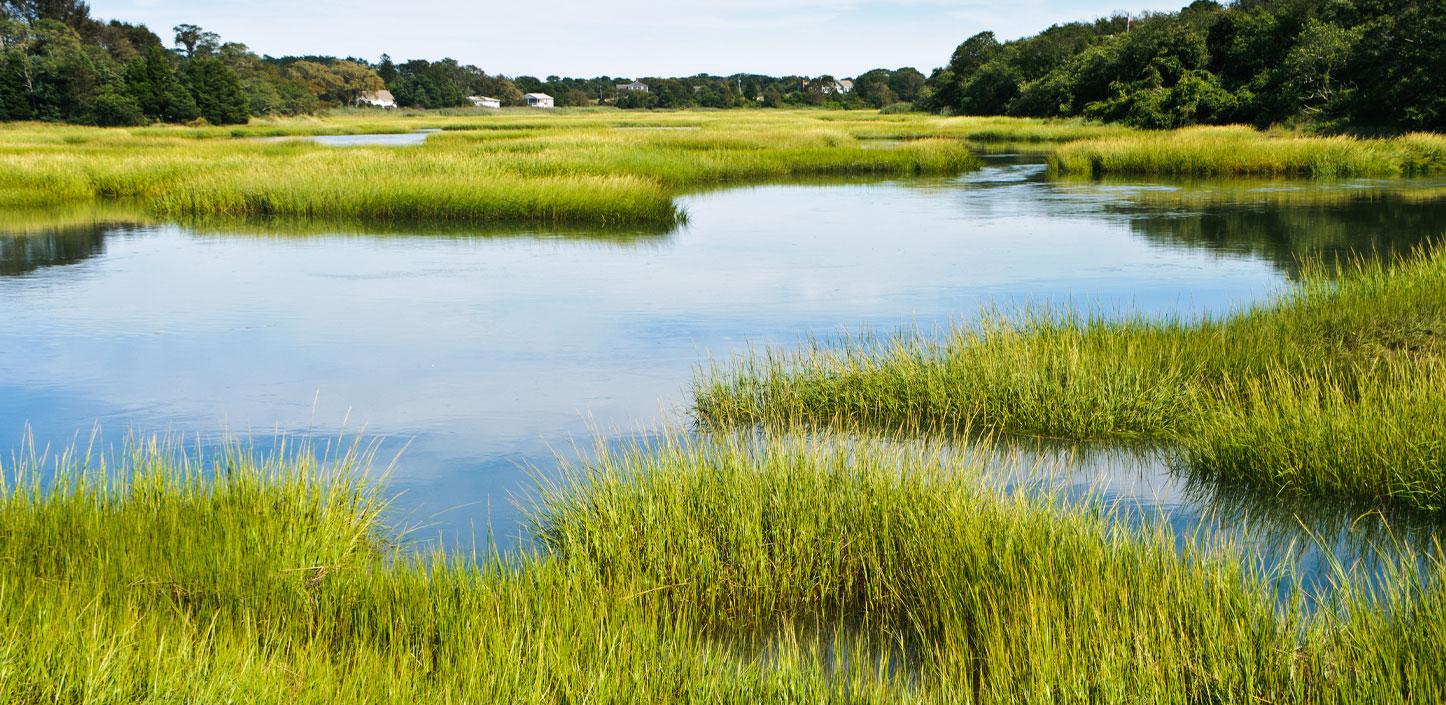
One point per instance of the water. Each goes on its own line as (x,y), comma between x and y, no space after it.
(486,355)
(398,139)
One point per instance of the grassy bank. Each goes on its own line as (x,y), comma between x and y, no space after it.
(1243,151)
(600,167)
(1333,390)
(706,571)
(594,168)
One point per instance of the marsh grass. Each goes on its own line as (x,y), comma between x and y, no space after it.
(513,168)
(1243,151)
(730,569)
(1332,390)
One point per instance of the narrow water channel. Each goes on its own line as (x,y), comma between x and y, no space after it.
(486,355)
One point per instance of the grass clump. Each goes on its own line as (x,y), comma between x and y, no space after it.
(1374,437)
(988,598)
(1243,151)
(1332,390)
(733,569)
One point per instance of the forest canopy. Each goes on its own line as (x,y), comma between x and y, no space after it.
(1366,64)
(1361,65)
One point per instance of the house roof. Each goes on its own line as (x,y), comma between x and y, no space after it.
(538,95)
(378,96)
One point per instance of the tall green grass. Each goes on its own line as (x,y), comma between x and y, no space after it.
(1332,390)
(724,570)
(592,168)
(1242,151)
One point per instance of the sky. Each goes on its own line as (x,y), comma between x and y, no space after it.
(626,37)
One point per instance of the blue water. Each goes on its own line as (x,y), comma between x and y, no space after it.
(484,355)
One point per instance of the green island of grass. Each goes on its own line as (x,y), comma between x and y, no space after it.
(1334,390)
(1245,151)
(515,168)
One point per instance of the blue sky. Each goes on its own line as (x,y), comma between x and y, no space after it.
(625,37)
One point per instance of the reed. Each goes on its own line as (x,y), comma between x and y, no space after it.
(731,569)
(1243,151)
(609,168)
(1272,393)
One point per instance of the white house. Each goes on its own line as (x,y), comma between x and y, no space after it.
(377,99)
(538,100)
(482,101)
(845,85)
(635,86)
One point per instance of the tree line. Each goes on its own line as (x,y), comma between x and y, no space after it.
(58,63)
(1345,64)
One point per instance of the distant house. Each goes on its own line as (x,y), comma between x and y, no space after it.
(843,86)
(482,101)
(635,87)
(538,100)
(377,99)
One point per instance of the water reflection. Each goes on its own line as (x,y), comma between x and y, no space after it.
(1302,542)
(396,139)
(24,254)
(1286,222)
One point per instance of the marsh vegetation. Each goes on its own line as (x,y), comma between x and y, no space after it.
(1330,390)
(512,169)
(722,570)
(839,528)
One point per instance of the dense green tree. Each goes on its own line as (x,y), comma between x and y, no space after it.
(387,70)
(872,87)
(48,74)
(426,84)
(1361,64)
(114,106)
(268,90)
(989,90)
(68,12)
(195,41)
(337,83)
(157,88)
(906,83)
(217,91)
(1399,67)
(631,100)
(1312,65)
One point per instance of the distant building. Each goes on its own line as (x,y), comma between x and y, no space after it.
(482,101)
(538,100)
(635,86)
(377,99)
(843,86)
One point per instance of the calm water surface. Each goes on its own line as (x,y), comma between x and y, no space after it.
(486,355)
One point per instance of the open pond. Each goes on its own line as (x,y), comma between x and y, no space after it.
(485,355)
